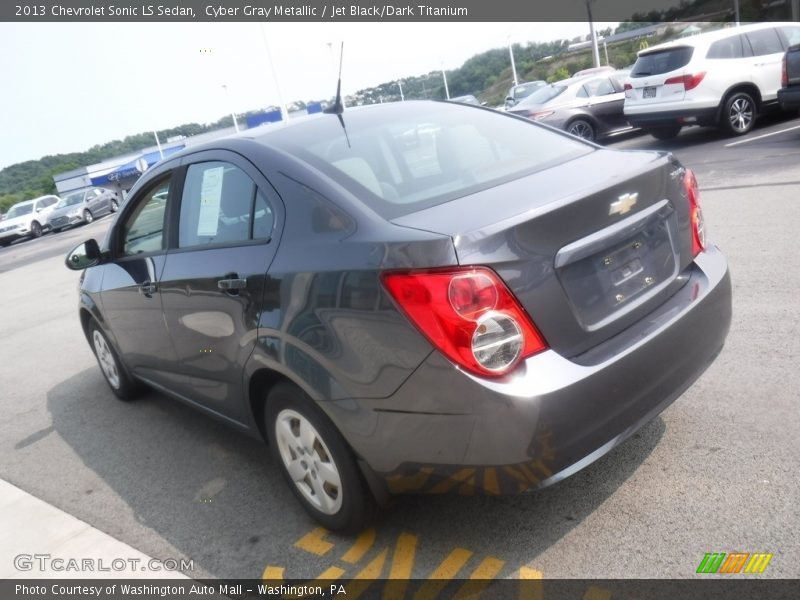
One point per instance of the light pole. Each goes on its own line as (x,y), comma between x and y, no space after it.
(595,49)
(284,111)
(736,10)
(446,90)
(400,85)
(228,100)
(513,66)
(158,144)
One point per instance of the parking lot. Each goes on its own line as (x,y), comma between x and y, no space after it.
(716,472)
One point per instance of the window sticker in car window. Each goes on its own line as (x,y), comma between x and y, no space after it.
(210,198)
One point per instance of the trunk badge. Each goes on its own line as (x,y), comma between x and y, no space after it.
(623,204)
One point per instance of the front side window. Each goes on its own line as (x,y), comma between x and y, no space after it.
(143,231)
(221,205)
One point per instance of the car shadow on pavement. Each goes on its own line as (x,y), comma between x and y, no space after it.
(213,495)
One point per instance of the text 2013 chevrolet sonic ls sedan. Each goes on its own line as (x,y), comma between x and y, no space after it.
(416,297)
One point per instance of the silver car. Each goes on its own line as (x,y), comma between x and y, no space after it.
(588,106)
(82,207)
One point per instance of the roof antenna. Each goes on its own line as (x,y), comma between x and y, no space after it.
(337,108)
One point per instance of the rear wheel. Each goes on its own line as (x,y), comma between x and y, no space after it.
(665,133)
(87,216)
(117,378)
(739,113)
(581,128)
(36,229)
(315,460)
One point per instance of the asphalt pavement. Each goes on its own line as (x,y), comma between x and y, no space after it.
(716,472)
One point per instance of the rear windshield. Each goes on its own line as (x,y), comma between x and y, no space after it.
(413,155)
(543,94)
(662,61)
(526,89)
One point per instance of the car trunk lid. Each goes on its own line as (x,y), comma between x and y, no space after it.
(588,247)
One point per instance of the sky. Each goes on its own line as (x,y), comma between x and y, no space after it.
(65,87)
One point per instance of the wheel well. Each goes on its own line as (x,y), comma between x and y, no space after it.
(586,118)
(260,385)
(748,88)
(85,320)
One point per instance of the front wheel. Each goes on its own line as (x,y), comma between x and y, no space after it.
(87,216)
(738,114)
(36,229)
(582,129)
(117,378)
(315,460)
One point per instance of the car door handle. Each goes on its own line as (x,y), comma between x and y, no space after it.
(232,284)
(148,288)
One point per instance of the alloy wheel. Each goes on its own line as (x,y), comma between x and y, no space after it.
(740,114)
(582,129)
(106,359)
(308,461)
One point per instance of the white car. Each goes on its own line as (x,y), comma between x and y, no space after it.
(722,78)
(26,219)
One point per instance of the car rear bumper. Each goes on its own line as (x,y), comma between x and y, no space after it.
(690,116)
(789,98)
(445,431)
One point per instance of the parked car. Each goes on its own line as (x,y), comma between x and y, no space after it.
(589,107)
(83,207)
(489,309)
(789,94)
(467,99)
(523,90)
(723,78)
(27,219)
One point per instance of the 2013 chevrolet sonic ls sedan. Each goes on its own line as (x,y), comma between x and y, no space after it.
(415,297)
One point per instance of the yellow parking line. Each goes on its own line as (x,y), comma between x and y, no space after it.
(366,577)
(530,585)
(596,593)
(480,577)
(444,572)
(312,542)
(490,482)
(361,546)
(272,573)
(402,564)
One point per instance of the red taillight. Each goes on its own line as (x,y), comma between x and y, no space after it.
(469,315)
(695,213)
(784,73)
(627,87)
(689,81)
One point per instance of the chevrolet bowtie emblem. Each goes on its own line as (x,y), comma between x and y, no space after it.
(623,204)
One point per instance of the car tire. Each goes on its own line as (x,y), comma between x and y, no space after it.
(583,129)
(36,229)
(665,133)
(114,206)
(316,461)
(88,217)
(114,372)
(738,113)
(56,229)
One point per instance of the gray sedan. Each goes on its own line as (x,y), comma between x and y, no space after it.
(82,207)
(410,297)
(589,107)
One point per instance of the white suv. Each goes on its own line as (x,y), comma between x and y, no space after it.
(26,219)
(721,78)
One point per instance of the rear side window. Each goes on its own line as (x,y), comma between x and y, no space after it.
(791,34)
(765,41)
(662,61)
(220,205)
(730,47)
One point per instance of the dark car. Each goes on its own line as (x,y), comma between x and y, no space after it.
(450,310)
(518,92)
(82,207)
(789,94)
(589,106)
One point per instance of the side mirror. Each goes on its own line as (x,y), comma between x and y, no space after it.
(83,256)
(40,209)
(510,102)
